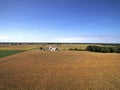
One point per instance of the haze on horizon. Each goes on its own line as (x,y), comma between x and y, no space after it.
(80,21)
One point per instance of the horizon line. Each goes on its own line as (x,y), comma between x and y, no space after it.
(54,43)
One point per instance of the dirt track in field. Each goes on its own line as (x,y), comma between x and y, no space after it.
(60,70)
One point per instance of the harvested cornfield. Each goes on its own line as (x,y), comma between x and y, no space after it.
(60,70)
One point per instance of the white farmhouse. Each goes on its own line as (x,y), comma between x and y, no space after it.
(52,48)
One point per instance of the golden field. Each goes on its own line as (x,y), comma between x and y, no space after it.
(18,47)
(35,46)
(60,70)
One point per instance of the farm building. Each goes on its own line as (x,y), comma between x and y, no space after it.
(52,48)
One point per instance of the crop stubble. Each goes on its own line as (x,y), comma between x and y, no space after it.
(60,70)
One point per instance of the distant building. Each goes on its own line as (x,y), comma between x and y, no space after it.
(52,48)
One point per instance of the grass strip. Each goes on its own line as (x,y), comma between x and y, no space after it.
(4,53)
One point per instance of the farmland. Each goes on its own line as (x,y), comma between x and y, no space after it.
(4,53)
(59,70)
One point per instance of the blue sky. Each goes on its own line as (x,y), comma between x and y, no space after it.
(81,21)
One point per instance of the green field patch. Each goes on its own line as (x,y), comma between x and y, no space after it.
(4,53)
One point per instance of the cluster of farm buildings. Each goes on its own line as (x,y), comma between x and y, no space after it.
(52,48)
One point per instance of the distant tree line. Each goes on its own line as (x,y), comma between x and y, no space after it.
(104,49)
